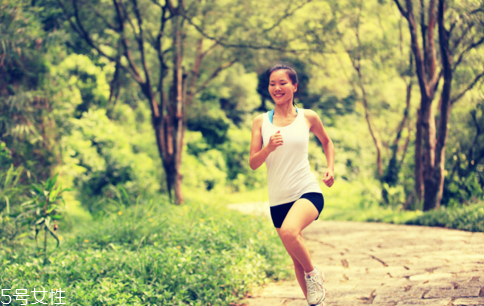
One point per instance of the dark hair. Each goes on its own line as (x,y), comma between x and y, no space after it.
(289,70)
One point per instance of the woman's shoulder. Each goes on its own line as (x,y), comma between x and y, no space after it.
(309,113)
(258,120)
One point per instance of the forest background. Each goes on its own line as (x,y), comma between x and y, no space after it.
(140,101)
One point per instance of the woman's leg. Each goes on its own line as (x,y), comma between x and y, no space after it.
(299,272)
(301,214)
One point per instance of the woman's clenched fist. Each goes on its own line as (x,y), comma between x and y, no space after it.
(275,141)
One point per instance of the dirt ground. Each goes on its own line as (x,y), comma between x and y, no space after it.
(384,264)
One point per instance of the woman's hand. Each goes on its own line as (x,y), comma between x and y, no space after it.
(328,178)
(275,141)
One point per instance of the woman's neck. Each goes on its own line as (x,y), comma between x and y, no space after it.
(285,110)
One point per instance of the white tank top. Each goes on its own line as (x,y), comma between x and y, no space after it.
(288,173)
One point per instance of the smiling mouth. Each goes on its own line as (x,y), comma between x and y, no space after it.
(278,95)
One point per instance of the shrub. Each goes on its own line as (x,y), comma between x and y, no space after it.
(468,218)
(155,253)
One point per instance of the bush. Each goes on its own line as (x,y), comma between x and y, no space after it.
(468,218)
(154,253)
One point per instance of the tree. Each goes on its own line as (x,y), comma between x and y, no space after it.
(363,41)
(27,122)
(430,159)
(133,34)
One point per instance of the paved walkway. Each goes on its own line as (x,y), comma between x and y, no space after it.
(384,264)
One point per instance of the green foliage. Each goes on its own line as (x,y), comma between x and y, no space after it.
(65,109)
(155,253)
(464,178)
(467,218)
(394,195)
(43,209)
(9,187)
(27,120)
(100,156)
(232,93)
(237,153)
(212,123)
(347,201)
(11,193)
(207,168)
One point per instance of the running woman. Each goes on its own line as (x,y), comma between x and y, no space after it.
(280,139)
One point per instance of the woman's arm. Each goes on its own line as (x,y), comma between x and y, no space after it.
(318,129)
(257,156)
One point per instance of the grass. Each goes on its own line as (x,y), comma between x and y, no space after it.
(199,253)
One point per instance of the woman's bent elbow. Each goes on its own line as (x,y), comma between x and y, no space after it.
(252,166)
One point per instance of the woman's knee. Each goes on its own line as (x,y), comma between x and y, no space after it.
(289,233)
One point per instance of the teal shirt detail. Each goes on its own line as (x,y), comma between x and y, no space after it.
(271,114)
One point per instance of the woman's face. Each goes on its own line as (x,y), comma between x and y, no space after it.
(281,88)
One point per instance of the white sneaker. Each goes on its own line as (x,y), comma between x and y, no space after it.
(316,291)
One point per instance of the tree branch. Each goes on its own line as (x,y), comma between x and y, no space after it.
(471,85)
(459,18)
(128,19)
(170,7)
(247,45)
(141,46)
(464,33)
(214,74)
(430,52)
(287,13)
(108,24)
(445,102)
(419,61)
(401,9)
(160,53)
(469,48)
(124,41)
(434,82)
(79,28)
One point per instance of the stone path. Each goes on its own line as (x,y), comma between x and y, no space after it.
(384,264)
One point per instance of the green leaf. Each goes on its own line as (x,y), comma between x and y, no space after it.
(27,202)
(50,183)
(37,188)
(53,195)
(53,207)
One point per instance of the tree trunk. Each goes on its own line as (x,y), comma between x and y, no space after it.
(374,136)
(176,129)
(393,168)
(418,160)
(169,115)
(433,194)
(427,78)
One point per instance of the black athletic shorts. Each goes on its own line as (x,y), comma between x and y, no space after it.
(279,212)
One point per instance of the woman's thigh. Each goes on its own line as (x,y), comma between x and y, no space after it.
(301,214)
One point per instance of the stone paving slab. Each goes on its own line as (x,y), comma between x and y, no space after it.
(385,264)
(469,302)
